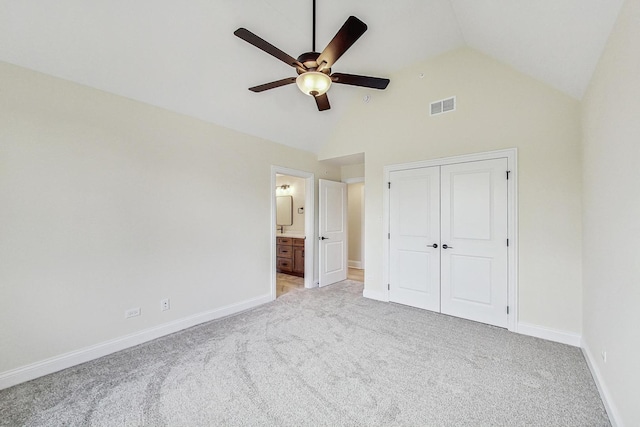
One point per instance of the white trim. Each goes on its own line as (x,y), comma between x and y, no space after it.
(309,225)
(605,394)
(362,227)
(376,295)
(386,203)
(355,264)
(564,337)
(511,154)
(73,358)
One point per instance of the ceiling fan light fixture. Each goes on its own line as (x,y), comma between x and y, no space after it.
(313,83)
(314,69)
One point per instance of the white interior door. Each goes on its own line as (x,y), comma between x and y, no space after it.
(474,241)
(333,232)
(414,275)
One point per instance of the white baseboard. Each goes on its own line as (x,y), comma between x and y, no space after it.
(376,295)
(67,360)
(612,411)
(355,264)
(564,337)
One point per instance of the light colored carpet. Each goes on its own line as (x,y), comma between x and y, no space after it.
(321,357)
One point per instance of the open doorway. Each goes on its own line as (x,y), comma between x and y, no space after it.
(355,212)
(352,173)
(292,230)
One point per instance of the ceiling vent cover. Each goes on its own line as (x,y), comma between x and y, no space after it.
(443,106)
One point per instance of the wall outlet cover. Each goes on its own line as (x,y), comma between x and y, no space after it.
(132,312)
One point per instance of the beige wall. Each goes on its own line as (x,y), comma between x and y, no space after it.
(497,107)
(296,191)
(352,171)
(355,206)
(611,230)
(108,204)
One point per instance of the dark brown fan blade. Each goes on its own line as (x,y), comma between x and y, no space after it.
(364,81)
(351,31)
(273,85)
(264,45)
(322,101)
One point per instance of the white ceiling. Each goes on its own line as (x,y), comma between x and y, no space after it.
(183,56)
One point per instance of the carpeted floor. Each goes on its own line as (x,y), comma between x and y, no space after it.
(321,357)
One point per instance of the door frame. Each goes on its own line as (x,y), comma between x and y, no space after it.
(309,224)
(511,154)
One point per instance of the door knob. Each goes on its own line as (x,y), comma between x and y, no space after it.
(324,238)
(447,247)
(435,245)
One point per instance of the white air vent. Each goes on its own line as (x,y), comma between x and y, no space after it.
(443,106)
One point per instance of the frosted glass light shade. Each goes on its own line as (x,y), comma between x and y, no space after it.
(313,83)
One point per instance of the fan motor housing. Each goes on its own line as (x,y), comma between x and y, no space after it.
(308,59)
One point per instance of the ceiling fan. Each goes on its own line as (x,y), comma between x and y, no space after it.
(314,69)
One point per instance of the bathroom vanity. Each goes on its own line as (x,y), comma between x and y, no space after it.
(290,255)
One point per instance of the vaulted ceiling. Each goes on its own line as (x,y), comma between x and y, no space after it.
(183,56)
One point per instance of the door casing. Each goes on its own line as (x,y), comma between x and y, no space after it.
(511,155)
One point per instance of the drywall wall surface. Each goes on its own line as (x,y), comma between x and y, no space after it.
(352,171)
(107,204)
(497,108)
(611,218)
(297,192)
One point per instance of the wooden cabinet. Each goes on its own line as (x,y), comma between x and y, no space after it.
(298,257)
(290,253)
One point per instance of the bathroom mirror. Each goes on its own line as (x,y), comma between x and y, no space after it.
(284,210)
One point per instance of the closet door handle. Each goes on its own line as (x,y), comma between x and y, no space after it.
(324,238)
(435,246)
(446,247)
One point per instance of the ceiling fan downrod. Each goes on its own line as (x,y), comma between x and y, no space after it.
(313,36)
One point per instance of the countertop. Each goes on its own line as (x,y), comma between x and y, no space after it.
(291,234)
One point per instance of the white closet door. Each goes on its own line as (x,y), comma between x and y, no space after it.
(333,232)
(474,241)
(414,275)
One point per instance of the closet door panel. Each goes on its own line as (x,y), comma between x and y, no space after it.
(414,270)
(474,238)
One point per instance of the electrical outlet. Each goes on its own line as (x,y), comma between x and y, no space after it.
(604,355)
(164,304)
(132,312)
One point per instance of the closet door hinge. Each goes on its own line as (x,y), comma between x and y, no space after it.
(388,286)
(388,235)
(508,172)
(389,184)
(507,242)
(507,309)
